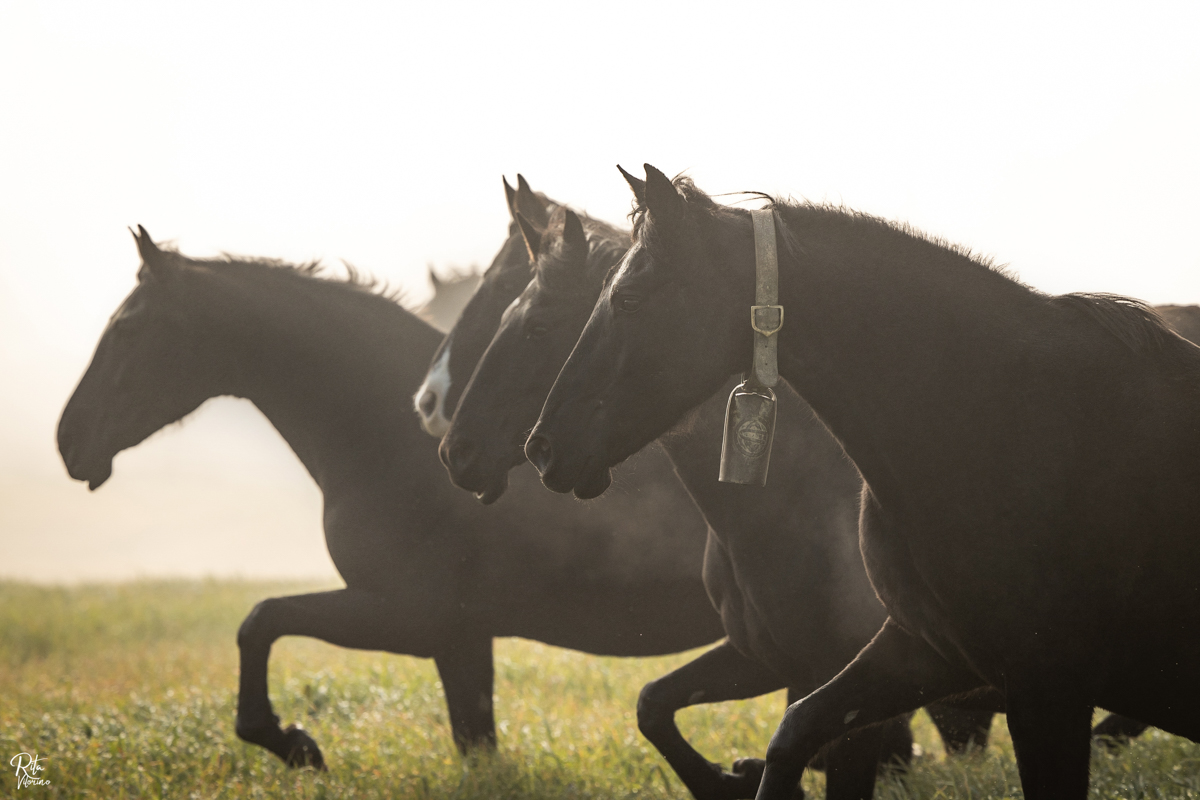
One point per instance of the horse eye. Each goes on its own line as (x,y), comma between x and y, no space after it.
(630,305)
(536,331)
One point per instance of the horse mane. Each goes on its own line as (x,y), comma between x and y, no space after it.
(830,212)
(353,278)
(1138,326)
(790,207)
(1135,324)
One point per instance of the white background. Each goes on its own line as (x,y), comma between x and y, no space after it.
(1059,138)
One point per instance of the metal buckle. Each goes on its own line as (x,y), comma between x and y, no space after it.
(765,320)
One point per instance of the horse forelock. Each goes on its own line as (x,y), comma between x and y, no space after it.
(695,197)
(606,244)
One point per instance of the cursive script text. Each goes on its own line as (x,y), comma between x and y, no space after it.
(27,769)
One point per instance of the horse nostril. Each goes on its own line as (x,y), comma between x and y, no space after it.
(427,403)
(456,454)
(539,452)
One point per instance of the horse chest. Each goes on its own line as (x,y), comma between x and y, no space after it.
(798,602)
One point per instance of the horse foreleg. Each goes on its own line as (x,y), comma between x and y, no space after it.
(894,674)
(345,617)
(467,678)
(718,675)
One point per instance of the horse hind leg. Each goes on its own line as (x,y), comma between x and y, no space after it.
(718,675)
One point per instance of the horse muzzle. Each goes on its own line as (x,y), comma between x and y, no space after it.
(468,469)
(94,474)
(429,409)
(587,481)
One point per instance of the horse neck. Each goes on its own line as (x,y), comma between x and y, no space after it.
(330,366)
(808,468)
(899,344)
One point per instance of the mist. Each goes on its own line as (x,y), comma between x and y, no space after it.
(1058,140)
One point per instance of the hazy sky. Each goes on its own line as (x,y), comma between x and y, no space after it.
(1059,138)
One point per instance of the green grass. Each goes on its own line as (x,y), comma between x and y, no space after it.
(128,691)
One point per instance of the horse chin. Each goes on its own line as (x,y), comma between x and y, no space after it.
(594,485)
(556,481)
(490,489)
(491,494)
(97,480)
(586,480)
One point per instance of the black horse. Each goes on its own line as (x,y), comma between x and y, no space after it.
(1029,516)
(428,571)
(782,562)
(503,280)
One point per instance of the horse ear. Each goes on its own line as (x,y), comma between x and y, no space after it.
(510,197)
(152,257)
(664,202)
(530,205)
(573,236)
(531,235)
(637,184)
(433,278)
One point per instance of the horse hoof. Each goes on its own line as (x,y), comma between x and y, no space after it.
(749,768)
(743,778)
(299,749)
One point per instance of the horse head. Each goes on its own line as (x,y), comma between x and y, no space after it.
(501,403)
(667,331)
(462,348)
(113,407)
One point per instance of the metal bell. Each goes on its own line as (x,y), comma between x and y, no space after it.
(749,431)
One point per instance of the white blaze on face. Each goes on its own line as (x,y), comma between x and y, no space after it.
(437,383)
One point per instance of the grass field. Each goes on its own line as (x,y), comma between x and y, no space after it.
(128,691)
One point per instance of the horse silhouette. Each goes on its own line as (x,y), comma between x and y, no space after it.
(502,281)
(428,571)
(450,294)
(1029,516)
